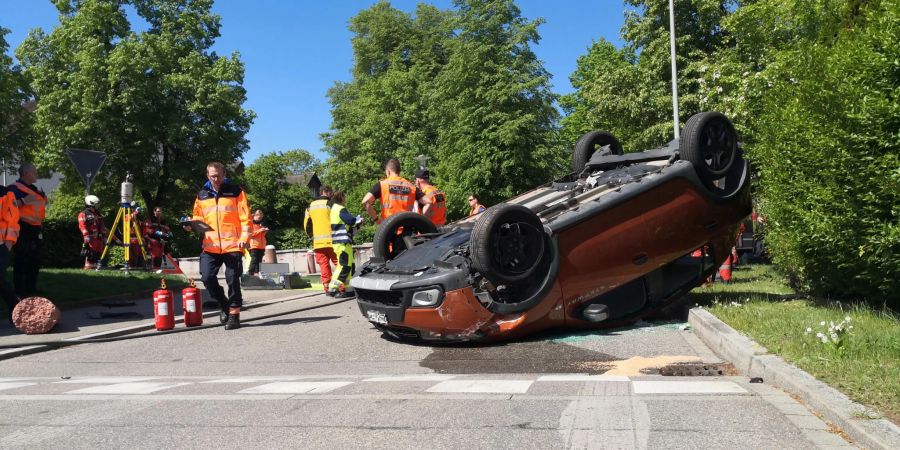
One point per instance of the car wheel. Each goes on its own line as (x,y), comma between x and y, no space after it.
(590,143)
(709,142)
(507,244)
(388,241)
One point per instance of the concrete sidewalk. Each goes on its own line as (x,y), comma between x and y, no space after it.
(106,316)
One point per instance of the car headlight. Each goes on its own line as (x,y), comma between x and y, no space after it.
(428,297)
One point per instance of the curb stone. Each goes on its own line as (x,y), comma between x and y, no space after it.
(755,361)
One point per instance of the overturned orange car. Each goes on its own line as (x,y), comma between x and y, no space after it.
(601,247)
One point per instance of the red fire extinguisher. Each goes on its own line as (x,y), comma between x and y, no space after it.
(191,305)
(163,308)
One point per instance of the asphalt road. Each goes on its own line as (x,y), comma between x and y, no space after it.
(324,378)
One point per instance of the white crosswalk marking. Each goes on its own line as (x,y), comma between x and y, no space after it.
(296,387)
(483,386)
(687,387)
(249,379)
(14,385)
(105,380)
(423,377)
(127,388)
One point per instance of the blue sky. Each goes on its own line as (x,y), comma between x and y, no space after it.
(294,51)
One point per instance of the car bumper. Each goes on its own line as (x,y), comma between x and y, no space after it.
(459,316)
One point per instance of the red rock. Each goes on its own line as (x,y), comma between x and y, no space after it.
(35,315)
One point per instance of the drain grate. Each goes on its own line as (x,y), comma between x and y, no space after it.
(695,370)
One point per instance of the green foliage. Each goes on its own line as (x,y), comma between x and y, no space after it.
(289,238)
(628,91)
(62,243)
(267,189)
(15,123)
(830,156)
(158,102)
(460,86)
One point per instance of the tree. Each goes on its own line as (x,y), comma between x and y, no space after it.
(268,188)
(15,119)
(462,87)
(628,91)
(158,102)
(493,108)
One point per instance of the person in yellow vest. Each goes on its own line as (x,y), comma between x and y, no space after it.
(258,230)
(317,223)
(395,193)
(342,225)
(222,205)
(32,203)
(436,206)
(9,234)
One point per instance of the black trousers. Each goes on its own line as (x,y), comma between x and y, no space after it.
(256,256)
(6,291)
(27,262)
(210,263)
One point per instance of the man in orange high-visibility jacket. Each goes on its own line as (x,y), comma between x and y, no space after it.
(436,205)
(396,194)
(32,202)
(258,230)
(317,223)
(9,234)
(223,206)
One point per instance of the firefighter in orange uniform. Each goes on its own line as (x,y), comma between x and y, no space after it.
(93,231)
(396,194)
(32,202)
(9,231)
(157,235)
(436,205)
(258,230)
(223,206)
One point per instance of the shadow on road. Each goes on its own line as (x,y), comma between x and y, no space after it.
(289,321)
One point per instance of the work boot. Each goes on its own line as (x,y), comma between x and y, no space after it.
(223,316)
(234,319)
(345,294)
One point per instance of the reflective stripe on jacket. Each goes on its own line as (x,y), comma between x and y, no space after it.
(257,236)
(437,212)
(32,206)
(227,213)
(397,195)
(317,222)
(9,218)
(91,223)
(340,220)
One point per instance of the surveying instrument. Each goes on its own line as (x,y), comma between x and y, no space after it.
(129,224)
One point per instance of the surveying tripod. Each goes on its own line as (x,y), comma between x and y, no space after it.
(126,216)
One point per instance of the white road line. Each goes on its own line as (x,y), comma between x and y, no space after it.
(687,387)
(104,380)
(14,385)
(296,387)
(422,377)
(250,379)
(127,388)
(583,377)
(483,386)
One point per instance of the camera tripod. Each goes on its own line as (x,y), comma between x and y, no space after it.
(129,224)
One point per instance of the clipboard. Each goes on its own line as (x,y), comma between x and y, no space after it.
(198,226)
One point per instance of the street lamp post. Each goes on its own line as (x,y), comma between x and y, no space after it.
(674,69)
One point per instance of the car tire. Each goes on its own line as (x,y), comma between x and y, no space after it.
(507,243)
(709,142)
(388,241)
(588,144)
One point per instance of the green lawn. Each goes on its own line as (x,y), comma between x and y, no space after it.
(68,287)
(865,364)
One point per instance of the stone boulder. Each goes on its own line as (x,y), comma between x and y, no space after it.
(35,315)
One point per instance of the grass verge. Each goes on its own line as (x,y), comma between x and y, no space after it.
(863,362)
(71,287)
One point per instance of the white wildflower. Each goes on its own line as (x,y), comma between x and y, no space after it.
(847,318)
(822,323)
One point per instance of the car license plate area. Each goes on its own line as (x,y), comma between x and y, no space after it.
(376,316)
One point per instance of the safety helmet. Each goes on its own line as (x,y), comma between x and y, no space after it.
(91,200)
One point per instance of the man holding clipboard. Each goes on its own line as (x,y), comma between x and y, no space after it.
(222,214)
